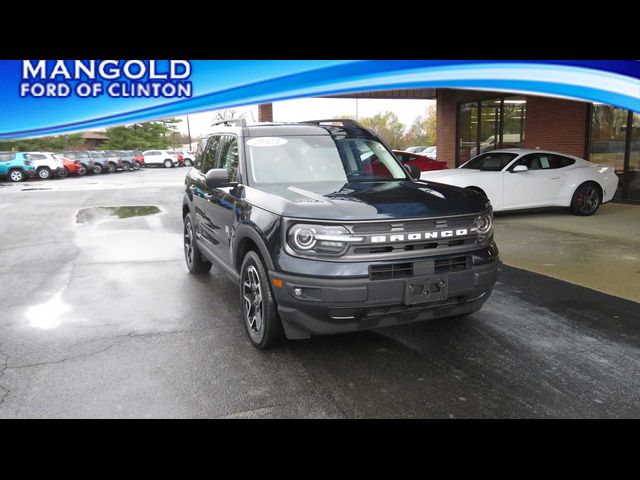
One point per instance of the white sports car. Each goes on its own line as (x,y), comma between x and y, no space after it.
(519,178)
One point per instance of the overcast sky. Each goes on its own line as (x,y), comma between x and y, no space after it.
(315,108)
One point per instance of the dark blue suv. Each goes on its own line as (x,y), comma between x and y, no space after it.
(325,231)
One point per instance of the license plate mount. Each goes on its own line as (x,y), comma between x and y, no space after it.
(425,290)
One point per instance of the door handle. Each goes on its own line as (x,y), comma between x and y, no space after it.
(555,178)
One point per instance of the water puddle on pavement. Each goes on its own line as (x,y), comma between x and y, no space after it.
(94,214)
(48,315)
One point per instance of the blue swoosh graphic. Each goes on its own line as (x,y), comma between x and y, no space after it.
(232,83)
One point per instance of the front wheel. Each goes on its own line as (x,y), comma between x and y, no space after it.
(195,263)
(135,166)
(187,162)
(97,168)
(125,167)
(586,199)
(112,168)
(259,310)
(81,171)
(168,164)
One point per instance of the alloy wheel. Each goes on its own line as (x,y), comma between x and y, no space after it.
(252,295)
(16,176)
(588,199)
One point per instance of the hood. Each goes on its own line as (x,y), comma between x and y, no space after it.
(366,200)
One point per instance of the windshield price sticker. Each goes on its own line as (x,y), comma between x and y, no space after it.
(267,142)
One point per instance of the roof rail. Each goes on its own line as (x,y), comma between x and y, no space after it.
(346,122)
(232,122)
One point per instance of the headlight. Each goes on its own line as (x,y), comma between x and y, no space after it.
(320,239)
(484,226)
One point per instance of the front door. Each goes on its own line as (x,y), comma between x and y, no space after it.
(539,186)
(220,203)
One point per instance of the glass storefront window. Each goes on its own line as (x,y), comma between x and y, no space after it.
(615,141)
(514,116)
(468,130)
(633,172)
(489,125)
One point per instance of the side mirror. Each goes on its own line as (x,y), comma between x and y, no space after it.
(414,172)
(217,177)
(520,168)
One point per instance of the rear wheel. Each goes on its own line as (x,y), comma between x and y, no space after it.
(44,173)
(126,167)
(195,263)
(187,162)
(82,170)
(168,164)
(112,168)
(586,199)
(259,310)
(97,168)
(135,165)
(16,175)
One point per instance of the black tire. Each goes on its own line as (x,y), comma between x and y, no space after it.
(64,172)
(196,264)
(126,167)
(136,165)
(113,168)
(259,310)
(97,168)
(44,173)
(586,199)
(168,163)
(16,175)
(187,162)
(82,171)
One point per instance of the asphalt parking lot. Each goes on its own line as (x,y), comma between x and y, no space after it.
(101,319)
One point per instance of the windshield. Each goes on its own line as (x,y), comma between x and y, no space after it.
(294,160)
(490,162)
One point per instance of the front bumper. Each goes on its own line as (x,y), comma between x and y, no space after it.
(328,306)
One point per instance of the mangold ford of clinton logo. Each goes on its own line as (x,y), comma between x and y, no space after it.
(410,237)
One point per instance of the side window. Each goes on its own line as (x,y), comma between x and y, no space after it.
(561,162)
(210,153)
(37,156)
(545,161)
(229,156)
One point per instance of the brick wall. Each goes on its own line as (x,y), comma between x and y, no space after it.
(265,112)
(551,123)
(555,124)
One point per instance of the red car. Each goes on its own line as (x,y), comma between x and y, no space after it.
(423,162)
(138,157)
(180,157)
(72,167)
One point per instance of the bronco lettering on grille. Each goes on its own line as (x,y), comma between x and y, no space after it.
(412,237)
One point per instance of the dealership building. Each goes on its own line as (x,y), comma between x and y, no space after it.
(471,122)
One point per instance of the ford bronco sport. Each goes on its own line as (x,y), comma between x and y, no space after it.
(325,231)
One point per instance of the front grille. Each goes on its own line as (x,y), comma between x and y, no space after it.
(425,266)
(451,264)
(397,239)
(391,271)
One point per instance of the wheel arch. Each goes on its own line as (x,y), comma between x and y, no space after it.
(247,238)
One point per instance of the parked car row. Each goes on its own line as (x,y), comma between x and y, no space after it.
(18,166)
